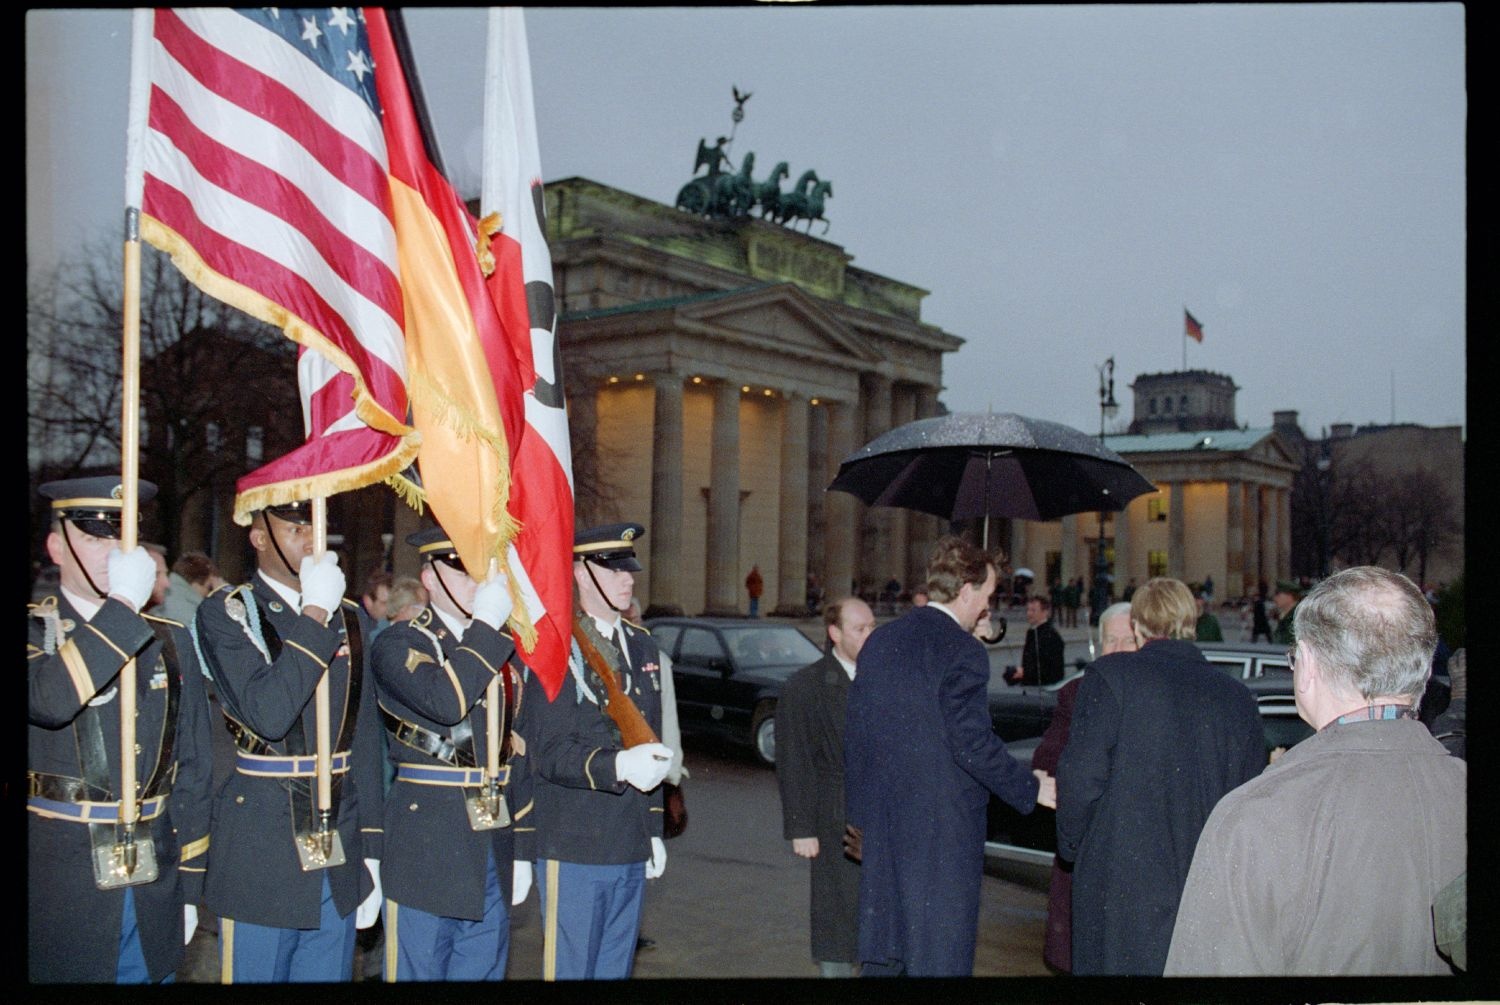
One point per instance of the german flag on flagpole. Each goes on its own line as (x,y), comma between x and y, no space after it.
(1190,326)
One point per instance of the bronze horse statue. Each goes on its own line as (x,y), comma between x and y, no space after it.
(805,202)
(768,192)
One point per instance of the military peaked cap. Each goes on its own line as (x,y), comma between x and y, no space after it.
(434,544)
(612,546)
(93,505)
(297,511)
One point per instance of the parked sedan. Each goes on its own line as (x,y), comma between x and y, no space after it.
(728,674)
(1031,839)
(1020,713)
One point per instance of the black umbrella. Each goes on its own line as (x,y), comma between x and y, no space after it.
(970,465)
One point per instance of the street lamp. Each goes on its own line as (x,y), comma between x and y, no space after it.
(1108,409)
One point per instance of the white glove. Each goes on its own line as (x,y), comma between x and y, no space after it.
(658,863)
(132,574)
(492,603)
(644,766)
(189,922)
(369,910)
(520,884)
(322,582)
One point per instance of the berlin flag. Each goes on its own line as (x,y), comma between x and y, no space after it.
(1190,326)
(541,496)
(257,159)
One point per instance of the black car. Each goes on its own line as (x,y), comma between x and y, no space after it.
(1022,712)
(728,674)
(1031,839)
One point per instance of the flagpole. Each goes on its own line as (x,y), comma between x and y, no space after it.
(321,699)
(130,394)
(126,853)
(1184,337)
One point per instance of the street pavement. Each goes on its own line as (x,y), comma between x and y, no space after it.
(733,902)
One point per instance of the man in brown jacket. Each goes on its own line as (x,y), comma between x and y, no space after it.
(1328,863)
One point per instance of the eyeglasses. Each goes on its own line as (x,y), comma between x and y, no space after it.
(451,560)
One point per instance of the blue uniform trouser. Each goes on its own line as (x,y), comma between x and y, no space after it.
(591,918)
(255,953)
(429,947)
(130,965)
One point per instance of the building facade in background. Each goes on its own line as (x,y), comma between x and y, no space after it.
(717,373)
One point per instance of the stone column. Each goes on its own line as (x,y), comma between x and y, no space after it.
(922,529)
(1177,532)
(1124,562)
(1284,535)
(723,551)
(840,507)
(665,532)
(818,477)
(1234,541)
(1270,534)
(1071,568)
(791,594)
(903,410)
(1253,571)
(873,562)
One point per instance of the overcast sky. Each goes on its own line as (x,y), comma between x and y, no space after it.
(1064,180)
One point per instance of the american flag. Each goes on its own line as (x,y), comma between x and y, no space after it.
(258,162)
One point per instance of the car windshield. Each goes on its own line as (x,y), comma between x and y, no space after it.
(769,646)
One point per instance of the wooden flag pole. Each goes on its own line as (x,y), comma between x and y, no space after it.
(321,700)
(494,697)
(130,433)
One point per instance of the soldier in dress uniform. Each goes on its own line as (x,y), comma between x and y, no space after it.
(599,805)
(450,861)
(87,921)
(289,895)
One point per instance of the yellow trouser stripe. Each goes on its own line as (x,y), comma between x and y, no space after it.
(226,950)
(392,939)
(549,930)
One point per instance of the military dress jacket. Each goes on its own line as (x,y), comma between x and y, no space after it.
(432,693)
(73,926)
(266,673)
(584,813)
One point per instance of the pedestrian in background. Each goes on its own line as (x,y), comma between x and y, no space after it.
(193,577)
(810,773)
(1207,628)
(755,585)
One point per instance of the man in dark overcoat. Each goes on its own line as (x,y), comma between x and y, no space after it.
(1042,653)
(451,863)
(810,772)
(1157,737)
(920,760)
(287,909)
(86,922)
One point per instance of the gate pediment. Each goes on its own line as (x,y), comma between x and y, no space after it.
(780,317)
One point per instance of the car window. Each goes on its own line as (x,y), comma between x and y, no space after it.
(772,646)
(1236,666)
(699,647)
(666,638)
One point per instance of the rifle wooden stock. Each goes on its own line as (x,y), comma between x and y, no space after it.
(634,729)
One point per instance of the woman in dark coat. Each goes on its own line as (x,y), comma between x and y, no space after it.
(1158,737)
